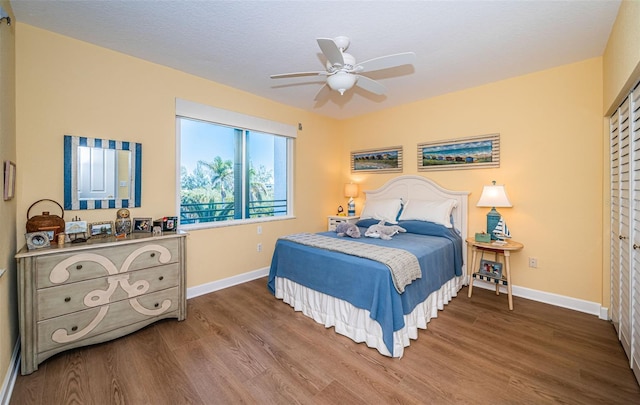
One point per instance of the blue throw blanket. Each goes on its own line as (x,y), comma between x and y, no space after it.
(367,284)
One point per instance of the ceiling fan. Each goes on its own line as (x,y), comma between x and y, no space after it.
(342,71)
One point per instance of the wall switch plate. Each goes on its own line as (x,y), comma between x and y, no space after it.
(533,262)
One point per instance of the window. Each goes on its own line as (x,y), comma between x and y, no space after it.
(232,168)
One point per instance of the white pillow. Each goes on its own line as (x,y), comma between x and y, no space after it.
(432,211)
(382,209)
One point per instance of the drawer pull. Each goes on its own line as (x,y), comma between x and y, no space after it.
(79,267)
(161,278)
(67,299)
(156,305)
(636,246)
(74,328)
(153,255)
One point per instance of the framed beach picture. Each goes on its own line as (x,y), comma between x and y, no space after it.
(462,153)
(377,160)
(101,229)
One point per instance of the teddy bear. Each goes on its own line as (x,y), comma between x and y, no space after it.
(383,231)
(347,229)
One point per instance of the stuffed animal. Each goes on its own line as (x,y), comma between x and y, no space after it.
(347,229)
(383,231)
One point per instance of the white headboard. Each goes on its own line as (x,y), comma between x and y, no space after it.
(421,188)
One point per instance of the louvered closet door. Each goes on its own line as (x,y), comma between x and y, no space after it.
(615,220)
(634,129)
(624,130)
(624,330)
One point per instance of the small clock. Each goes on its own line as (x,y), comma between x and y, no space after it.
(37,240)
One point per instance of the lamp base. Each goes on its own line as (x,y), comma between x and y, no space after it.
(493,217)
(351,208)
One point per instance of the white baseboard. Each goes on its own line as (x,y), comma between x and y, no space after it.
(575,304)
(12,374)
(563,301)
(202,289)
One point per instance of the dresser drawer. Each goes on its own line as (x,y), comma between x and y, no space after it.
(88,264)
(68,298)
(67,329)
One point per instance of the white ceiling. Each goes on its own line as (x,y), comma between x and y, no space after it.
(458,44)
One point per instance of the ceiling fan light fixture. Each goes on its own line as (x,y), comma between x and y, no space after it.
(343,72)
(341,81)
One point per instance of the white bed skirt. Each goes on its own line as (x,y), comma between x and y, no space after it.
(355,323)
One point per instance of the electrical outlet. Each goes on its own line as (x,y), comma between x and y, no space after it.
(259,247)
(533,262)
(259,229)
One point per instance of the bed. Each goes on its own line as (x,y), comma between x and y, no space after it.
(359,296)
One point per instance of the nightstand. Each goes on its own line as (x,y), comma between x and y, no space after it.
(334,220)
(496,250)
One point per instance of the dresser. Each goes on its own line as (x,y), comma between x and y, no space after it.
(81,294)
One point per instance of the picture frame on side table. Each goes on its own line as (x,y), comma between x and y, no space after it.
(142,225)
(491,269)
(9,180)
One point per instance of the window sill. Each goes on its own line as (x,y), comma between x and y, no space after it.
(222,224)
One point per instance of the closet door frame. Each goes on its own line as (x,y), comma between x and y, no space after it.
(624,137)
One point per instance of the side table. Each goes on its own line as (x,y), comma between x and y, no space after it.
(334,220)
(491,247)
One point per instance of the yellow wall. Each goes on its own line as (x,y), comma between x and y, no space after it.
(71,87)
(550,126)
(621,59)
(8,300)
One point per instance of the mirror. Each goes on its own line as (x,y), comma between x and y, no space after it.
(101,173)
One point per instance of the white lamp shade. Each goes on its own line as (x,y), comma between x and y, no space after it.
(494,196)
(351,190)
(341,81)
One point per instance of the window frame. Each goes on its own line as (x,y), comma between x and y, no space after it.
(216,116)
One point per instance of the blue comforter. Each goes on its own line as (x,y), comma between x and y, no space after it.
(367,284)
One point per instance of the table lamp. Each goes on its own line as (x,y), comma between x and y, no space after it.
(493,196)
(351,190)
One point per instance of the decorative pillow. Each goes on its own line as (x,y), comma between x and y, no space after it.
(438,212)
(382,209)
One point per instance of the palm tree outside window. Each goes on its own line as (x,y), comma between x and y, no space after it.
(231,174)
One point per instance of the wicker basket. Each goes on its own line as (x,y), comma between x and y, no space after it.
(46,222)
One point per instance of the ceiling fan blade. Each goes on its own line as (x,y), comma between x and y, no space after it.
(298,74)
(370,85)
(323,93)
(331,51)
(386,62)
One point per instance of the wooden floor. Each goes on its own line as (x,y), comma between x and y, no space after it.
(241,345)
